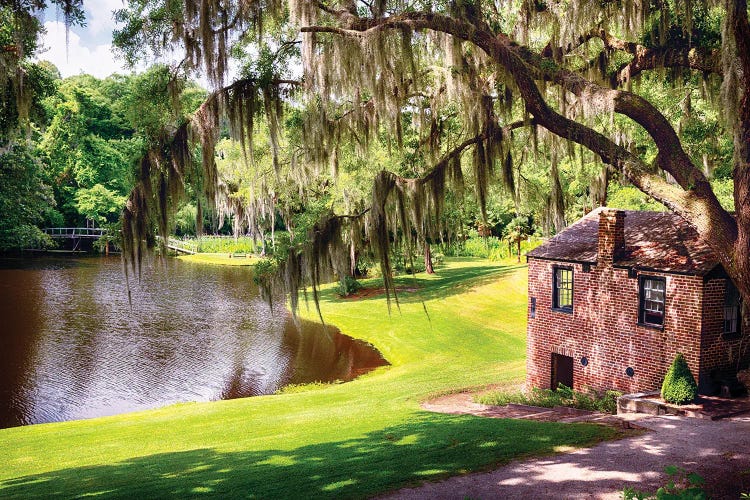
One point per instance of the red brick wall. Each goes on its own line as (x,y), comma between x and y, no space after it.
(603,328)
(611,234)
(717,353)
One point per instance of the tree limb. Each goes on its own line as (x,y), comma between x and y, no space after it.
(696,201)
(644,58)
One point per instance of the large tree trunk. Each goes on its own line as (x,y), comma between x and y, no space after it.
(518,247)
(744,346)
(738,22)
(352,259)
(557,200)
(599,186)
(273,227)
(263,243)
(428,259)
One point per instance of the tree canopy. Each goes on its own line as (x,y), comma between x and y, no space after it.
(544,100)
(522,81)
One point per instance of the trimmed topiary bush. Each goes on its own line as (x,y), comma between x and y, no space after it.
(679,385)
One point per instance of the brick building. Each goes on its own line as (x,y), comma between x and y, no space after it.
(616,295)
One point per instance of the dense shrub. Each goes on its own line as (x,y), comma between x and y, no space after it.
(367,267)
(477,246)
(372,271)
(243,244)
(229,244)
(564,396)
(491,248)
(406,267)
(679,385)
(348,286)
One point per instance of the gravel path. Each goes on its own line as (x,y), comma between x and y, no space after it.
(717,450)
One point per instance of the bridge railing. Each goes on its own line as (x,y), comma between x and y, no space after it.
(75,232)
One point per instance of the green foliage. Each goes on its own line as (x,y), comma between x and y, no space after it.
(681,485)
(679,385)
(89,147)
(517,231)
(24,200)
(185,220)
(265,271)
(242,244)
(631,198)
(519,228)
(724,189)
(401,264)
(705,27)
(156,102)
(490,247)
(99,204)
(348,286)
(564,396)
(22,83)
(111,237)
(405,264)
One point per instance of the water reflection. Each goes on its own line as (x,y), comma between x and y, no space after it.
(71,347)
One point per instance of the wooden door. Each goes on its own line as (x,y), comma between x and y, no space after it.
(562,370)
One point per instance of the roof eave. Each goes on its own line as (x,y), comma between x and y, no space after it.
(679,272)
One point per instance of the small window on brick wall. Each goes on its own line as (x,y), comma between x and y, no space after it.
(652,300)
(562,289)
(732,308)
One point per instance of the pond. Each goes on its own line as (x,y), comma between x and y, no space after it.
(71,346)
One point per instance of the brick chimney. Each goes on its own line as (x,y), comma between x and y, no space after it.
(611,235)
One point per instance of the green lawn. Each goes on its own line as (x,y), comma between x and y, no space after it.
(342,440)
(222,259)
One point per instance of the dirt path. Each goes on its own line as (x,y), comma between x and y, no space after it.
(717,450)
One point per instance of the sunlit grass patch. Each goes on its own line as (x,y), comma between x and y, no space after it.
(222,259)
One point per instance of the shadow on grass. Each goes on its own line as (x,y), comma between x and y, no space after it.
(428,447)
(446,281)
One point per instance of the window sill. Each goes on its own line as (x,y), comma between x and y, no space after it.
(731,336)
(651,326)
(561,310)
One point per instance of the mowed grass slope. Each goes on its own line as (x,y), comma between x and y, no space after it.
(342,440)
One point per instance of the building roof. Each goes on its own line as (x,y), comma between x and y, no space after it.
(658,241)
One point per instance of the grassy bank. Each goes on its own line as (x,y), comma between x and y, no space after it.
(343,440)
(221,259)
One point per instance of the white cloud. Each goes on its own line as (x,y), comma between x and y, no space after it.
(99,15)
(98,61)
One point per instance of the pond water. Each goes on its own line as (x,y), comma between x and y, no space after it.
(71,347)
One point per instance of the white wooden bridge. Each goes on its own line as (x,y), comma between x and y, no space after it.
(180,246)
(94,233)
(75,232)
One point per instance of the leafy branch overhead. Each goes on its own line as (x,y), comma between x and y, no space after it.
(444,87)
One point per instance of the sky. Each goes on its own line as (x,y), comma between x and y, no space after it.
(89,47)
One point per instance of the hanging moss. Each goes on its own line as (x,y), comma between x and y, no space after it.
(356,86)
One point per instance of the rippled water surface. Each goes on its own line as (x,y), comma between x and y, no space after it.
(71,347)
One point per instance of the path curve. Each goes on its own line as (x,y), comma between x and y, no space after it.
(717,450)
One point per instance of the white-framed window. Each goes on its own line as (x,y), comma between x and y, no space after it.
(562,289)
(732,310)
(652,300)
